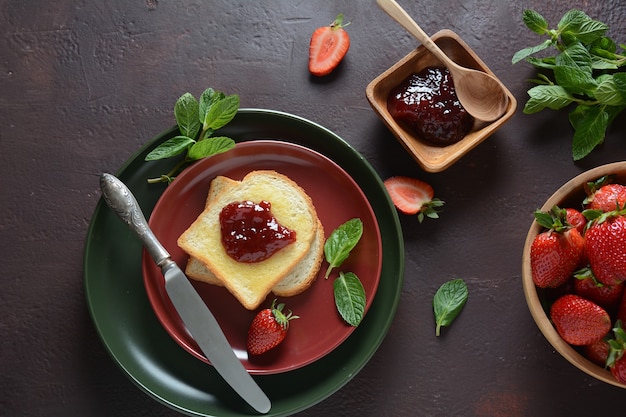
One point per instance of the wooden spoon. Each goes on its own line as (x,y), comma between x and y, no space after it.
(481,95)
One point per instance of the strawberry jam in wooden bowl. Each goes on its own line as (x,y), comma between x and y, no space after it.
(432,157)
(539,300)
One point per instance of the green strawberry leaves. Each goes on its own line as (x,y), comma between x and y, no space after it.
(197,121)
(583,74)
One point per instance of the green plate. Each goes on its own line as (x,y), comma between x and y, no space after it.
(145,352)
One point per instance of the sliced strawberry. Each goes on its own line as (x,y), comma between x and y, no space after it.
(329,44)
(413,196)
(579,321)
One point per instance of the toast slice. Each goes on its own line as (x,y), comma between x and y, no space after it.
(251,282)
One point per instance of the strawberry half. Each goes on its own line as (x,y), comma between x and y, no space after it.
(412,196)
(329,44)
(579,321)
(268,329)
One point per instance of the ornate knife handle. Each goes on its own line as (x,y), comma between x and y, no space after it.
(120,199)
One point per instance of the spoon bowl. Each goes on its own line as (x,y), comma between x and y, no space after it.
(481,94)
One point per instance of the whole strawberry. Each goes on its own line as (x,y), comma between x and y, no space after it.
(579,321)
(268,329)
(617,353)
(604,196)
(606,296)
(597,352)
(605,245)
(556,253)
(576,219)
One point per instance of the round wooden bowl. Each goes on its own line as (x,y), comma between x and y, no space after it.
(571,194)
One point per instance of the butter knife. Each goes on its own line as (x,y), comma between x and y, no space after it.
(192,310)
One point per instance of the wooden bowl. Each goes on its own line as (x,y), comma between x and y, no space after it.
(433,158)
(571,194)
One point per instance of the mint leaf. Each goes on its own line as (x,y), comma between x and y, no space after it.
(209,147)
(169,148)
(448,302)
(551,96)
(341,241)
(590,130)
(610,93)
(186,114)
(221,112)
(576,23)
(526,52)
(349,298)
(534,21)
(207,99)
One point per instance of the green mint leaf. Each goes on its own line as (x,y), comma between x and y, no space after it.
(526,52)
(186,114)
(169,148)
(207,99)
(575,80)
(341,241)
(590,130)
(535,22)
(448,302)
(577,24)
(551,96)
(349,298)
(210,146)
(609,92)
(577,56)
(221,112)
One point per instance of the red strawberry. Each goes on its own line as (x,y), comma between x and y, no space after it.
(605,245)
(621,310)
(555,254)
(617,353)
(604,196)
(606,296)
(597,352)
(412,196)
(268,329)
(329,44)
(576,219)
(579,321)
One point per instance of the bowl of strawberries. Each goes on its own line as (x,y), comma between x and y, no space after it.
(574,272)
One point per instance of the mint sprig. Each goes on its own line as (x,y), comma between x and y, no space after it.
(350,297)
(583,72)
(197,121)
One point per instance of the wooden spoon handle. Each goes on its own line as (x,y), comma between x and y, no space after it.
(393,9)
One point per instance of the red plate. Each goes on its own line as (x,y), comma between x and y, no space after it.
(337,198)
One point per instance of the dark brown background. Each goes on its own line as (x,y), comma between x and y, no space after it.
(85,83)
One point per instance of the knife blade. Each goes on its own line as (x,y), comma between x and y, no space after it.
(193,311)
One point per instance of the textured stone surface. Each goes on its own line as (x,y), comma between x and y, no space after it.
(84,84)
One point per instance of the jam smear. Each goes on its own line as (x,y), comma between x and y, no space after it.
(251,233)
(427,103)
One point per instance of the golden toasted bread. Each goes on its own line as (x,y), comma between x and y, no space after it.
(251,282)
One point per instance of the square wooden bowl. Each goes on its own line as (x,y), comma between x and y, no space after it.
(433,158)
